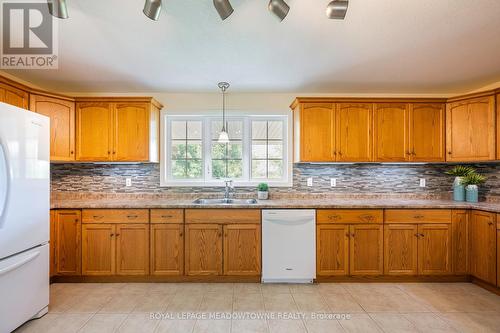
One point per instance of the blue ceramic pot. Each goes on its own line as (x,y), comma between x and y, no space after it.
(458,190)
(472,193)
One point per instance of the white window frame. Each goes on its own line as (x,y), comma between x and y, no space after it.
(166,179)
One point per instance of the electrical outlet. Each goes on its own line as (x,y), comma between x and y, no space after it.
(422,182)
(310,181)
(128,182)
(333,182)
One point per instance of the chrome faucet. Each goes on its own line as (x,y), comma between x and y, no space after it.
(229,187)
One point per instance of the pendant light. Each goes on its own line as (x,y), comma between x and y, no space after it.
(223,136)
(58,8)
(152,9)
(224,8)
(279,8)
(337,9)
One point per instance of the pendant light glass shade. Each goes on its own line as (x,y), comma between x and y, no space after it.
(152,9)
(279,8)
(337,9)
(58,8)
(223,136)
(224,8)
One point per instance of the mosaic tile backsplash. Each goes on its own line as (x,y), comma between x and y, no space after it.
(351,178)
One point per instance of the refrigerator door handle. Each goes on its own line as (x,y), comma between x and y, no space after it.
(20,263)
(4,182)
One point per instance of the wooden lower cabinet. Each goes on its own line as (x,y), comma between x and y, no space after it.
(332,249)
(98,249)
(498,258)
(66,242)
(167,249)
(434,249)
(400,249)
(366,249)
(483,246)
(460,241)
(203,246)
(242,249)
(132,249)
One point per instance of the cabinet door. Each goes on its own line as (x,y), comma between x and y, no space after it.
(434,249)
(332,249)
(167,249)
(132,249)
(62,125)
(317,138)
(98,249)
(400,249)
(354,132)
(203,249)
(366,249)
(498,258)
(14,96)
(242,249)
(131,132)
(52,242)
(93,131)
(483,246)
(460,240)
(470,130)
(427,132)
(390,131)
(67,245)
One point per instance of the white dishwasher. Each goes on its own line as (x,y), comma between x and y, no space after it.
(288,245)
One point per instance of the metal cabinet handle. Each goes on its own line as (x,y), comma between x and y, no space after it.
(449,153)
(117,235)
(334,217)
(180,234)
(132,216)
(352,235)
(418,216)
(366,217)
(111,235)
(416,235)
(490,223)
(98,217)
(166,216)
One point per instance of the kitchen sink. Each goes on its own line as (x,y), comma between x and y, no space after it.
(225,201)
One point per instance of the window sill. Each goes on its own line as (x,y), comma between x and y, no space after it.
(221,183)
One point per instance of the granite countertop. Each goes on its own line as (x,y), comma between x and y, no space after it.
(348,203)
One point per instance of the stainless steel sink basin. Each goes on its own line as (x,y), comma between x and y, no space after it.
(225,201)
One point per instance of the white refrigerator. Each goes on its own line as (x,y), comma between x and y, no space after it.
(24,216)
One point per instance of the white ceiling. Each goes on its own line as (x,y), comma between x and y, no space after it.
(383,46)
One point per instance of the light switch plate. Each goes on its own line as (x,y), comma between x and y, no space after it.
(128,182)
(422,182)
(309,181)
(333,182)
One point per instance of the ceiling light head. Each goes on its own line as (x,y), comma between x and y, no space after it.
(58,8)
(224,8)
(152,9)
(337,9)
(279,8)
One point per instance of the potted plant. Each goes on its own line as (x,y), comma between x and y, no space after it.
(459,172)
(262,191)
(471,182)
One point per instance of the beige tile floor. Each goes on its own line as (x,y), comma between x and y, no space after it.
(373,307)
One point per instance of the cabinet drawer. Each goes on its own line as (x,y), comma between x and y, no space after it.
(167,216)
(349,216)
(222,216)
(115,216)
(418,216)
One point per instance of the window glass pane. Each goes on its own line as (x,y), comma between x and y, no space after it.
(259,169)
(178,150)
(194,169)
(235,151)
(259,130)
(275,149)
(234,169)
(194,149)
(218,150)
(179,169)
(275,130)
(259,149)
(178,130)
(194,130)
(275,170)
(218,169)
(216,128)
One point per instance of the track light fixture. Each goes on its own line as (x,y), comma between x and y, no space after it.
(58,8)
(152,9)
(279,8)
(224,8)
(337,9)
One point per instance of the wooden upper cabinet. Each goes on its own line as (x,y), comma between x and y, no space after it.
(366,249)
(317,132)
(242,249)
(483,246)
(332,249)
(354,141)
(498,131)
(427,132)
(14,96)
(62,125)
(434,249)
(67,242)
(131,133)
(132,249)
(117,129)
(470,130)
(390,132)
(203,248)
(94,131)
(400,249)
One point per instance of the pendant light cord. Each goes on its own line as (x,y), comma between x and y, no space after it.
(223,109)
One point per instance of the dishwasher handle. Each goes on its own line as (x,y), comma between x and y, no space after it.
(289,220)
